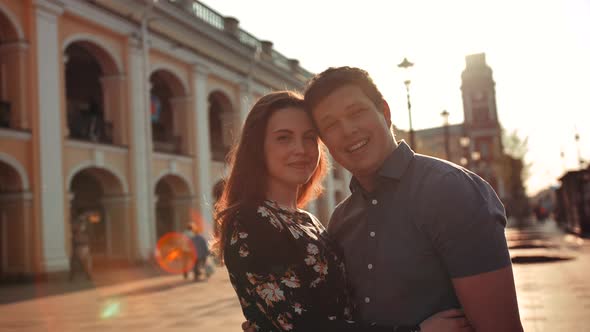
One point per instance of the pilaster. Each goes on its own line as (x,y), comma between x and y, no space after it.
(202,154)
(140,147)
(50,135)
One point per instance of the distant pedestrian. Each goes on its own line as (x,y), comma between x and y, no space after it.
(202,251)
(80,260)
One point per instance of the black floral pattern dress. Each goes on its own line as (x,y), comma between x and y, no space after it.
(287,274)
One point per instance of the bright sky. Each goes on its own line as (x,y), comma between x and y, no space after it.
(538,50)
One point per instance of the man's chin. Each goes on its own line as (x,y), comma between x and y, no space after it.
(363,170)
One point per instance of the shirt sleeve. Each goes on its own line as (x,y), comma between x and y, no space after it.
(264,272)
(466,222)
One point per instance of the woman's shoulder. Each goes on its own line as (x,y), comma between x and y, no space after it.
(259,216)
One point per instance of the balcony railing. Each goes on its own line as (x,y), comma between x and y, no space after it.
(5,114)
(171,145)
(87,128)
(218,21)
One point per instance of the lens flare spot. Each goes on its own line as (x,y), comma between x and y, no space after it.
(110,310)
(175,253)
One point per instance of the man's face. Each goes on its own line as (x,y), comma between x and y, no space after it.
(354,130)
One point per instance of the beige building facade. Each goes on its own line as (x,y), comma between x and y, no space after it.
(125,109)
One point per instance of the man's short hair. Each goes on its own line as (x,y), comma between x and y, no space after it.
(323,84)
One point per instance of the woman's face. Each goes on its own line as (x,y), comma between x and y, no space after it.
(290,147)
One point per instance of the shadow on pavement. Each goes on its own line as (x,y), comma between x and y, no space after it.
(154,289)
(538,259)
(60,285)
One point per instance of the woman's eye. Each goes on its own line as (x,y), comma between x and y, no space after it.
(282,138)
(330,125)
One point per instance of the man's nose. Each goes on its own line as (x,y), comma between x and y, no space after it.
(349,127)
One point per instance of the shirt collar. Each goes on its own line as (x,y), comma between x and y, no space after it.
(393,167)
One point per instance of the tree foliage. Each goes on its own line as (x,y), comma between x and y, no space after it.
(514,145)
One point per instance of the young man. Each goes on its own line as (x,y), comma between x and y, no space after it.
(419,234)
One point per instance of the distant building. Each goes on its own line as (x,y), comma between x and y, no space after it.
(573,201)
(126,110)
(477,142)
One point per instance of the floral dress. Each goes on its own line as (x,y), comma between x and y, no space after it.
(287,274)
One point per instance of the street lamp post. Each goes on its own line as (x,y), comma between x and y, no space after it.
(445,114)
(580,160)
(405,64)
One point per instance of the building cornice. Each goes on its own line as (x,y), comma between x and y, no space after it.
(96,146)
(15,134)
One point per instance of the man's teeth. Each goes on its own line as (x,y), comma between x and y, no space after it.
(357,146)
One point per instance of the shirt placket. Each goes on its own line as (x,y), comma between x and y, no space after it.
(370,298)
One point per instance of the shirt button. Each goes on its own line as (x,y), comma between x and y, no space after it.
(370,266)
(374,202)
(372,234)
(367,299)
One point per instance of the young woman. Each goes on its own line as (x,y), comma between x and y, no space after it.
(287,273)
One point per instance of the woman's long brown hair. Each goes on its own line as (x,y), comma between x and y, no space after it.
(247,181)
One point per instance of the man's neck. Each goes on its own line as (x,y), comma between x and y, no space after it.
(369,181)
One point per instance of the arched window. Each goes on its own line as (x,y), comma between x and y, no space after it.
(220,125)
(167,116)
(172,212)
(13,61)
(85,95)
(94,190)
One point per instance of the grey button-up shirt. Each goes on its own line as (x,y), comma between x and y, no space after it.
(427,221)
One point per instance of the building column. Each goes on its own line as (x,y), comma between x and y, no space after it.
(140,148)
(312,207)
(64,122)
(203,188)
(15,59)
(245,104)
(113,88)
(328,201)
(50,136)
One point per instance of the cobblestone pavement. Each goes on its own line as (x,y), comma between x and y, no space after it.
(552,272)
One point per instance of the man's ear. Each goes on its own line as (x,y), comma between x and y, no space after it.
(387,113)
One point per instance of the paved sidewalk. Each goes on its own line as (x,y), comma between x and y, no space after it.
(165,303)
(552,278)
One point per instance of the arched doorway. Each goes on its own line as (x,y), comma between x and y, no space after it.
(99,200)
(221,125)
(13,64)
(168,113)
(15,232)
(90,93)
(173,204)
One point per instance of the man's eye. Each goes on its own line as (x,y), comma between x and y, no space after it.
(282,138)
(358,112)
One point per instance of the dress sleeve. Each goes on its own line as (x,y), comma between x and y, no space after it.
(266,276)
